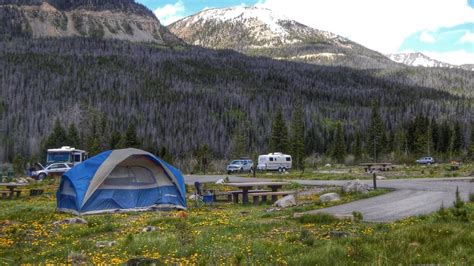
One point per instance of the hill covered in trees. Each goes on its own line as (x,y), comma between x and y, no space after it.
(189,100)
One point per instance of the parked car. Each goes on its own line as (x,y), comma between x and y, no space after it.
(242,165)
(426,160)
(51,169)
(276,161)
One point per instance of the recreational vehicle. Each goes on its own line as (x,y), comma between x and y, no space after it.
(66,154)
(274,161)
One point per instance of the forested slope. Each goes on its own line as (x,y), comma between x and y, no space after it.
(183,98)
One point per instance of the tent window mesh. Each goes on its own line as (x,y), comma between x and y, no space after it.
(134,176)
(67,189)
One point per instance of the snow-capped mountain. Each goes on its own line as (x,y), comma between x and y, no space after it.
(418,59)
(260,31)
(246,27)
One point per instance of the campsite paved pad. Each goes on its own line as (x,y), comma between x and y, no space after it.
(411,196)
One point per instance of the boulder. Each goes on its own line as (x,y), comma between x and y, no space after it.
(75,220)
(329,197)
(379,177)
(149,229)
(272,210)
(355,186)
(103,244)
(285,202)
(339,234)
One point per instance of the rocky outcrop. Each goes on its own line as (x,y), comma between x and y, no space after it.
(51,19)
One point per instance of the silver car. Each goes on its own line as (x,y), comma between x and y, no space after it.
(426,160)
(241,166)
(55,168)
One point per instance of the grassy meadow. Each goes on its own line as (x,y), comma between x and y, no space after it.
(343,172)
(226,233)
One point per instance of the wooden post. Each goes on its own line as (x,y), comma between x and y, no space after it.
(374,175)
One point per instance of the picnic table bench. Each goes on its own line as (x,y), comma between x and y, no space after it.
(246,187)
(11,189)
(234,194)
(263,195)
(377,166)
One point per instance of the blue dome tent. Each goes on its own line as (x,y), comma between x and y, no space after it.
(121,180)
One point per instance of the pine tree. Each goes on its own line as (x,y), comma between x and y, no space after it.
(239,143)
(114,140)
(377,136)
(358,147)
(93,145)
(434,135)
(470,153)
(297,137)
(339,148)
(279,138)
(130,138)
(73,138)
(166,155)
(58,137)
(400,143)
(457,138)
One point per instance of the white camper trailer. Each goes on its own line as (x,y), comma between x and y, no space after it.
(274,161)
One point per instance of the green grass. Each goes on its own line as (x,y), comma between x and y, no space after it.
(231,234)
(342,172)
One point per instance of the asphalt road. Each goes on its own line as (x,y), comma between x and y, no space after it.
(410,197)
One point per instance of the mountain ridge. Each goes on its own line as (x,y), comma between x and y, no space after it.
(259,31)
(418,59)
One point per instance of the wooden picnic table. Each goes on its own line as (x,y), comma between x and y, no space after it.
(11,186)
(371,166)
(246,186)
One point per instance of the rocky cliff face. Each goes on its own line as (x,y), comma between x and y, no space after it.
(123,20)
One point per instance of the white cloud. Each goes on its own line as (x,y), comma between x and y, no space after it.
(379,25)
(459,57)
(467,38)
(426,37)
(170,13)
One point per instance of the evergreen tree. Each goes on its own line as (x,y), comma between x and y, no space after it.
(297,137)
(115,140)
(358,147)
(58,137)
(457,138)
(279,138)
(166,155)
(377,136)
(73,138)
(131,139)
(400,143)
(339,148)
(435,135)
(93,145)
(239,143)
(470,152)
(444,141)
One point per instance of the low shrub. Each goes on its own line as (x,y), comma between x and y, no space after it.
(320,218)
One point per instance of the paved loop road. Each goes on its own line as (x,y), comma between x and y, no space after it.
(410,197)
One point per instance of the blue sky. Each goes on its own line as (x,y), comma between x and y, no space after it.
(442,29)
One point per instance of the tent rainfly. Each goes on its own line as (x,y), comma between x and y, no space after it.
(121,180)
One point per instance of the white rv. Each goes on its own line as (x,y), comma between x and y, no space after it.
(274,161)
(66,154)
